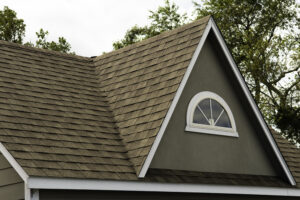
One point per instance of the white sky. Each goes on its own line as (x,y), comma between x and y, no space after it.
(90,26)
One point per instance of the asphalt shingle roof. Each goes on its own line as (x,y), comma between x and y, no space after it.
(76,117)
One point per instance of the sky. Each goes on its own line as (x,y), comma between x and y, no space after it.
(90,26)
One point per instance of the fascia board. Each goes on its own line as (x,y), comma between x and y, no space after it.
(88,184)
(13,163)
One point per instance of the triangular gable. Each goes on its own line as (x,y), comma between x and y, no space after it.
(211,27)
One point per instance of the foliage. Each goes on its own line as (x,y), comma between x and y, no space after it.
(62,45)
(12,29)
(263,36)
(164,18)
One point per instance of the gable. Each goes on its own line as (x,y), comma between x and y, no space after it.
(186,150)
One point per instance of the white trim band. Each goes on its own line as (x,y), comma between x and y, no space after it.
(81,184)
(13,163)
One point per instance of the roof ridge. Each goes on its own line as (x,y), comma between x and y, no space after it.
(45,51)
(163,34)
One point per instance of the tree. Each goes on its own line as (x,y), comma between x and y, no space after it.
(12,29)
(62,45)
(164,18)
(264,39)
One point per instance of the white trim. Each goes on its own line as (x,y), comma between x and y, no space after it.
(89,184)
(252,103)
(35,195)
(212,26)
(13,163)
(27,192)
(209,129)
(174,102)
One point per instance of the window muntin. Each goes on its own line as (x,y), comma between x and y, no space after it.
(209,113)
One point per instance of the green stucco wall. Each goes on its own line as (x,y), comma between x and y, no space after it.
(183,150)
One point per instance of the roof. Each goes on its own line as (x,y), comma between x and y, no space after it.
(68,116)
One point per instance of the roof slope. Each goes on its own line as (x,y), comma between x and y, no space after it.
(141,81)
(291,154)
(54,120)
(74,117)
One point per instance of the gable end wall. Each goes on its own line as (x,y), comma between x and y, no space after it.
(183,150)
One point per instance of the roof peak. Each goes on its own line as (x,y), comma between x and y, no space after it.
(159,36)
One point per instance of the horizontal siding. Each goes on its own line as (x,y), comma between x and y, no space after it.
(11,184)
(12,192)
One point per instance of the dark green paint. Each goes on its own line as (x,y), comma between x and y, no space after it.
(212,153)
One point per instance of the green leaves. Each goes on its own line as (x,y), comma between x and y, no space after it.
(264,38)
(62,45)
(164,18)
(12,29)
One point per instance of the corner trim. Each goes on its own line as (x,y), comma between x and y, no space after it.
(88,184)
(13,163)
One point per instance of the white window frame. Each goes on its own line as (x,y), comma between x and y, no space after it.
(209,129)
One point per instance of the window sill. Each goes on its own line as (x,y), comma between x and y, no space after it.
(211,132)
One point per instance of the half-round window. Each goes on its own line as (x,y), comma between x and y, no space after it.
(209,113)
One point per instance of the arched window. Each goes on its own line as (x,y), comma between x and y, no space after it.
(209,113)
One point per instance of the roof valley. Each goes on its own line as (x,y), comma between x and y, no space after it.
(103,92)
(141,80)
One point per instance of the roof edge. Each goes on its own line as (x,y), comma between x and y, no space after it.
(140,43)
(13,163)
(44,51)
(88,184)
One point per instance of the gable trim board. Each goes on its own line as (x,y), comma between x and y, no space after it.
(211,26)
(81,184)
(13,163)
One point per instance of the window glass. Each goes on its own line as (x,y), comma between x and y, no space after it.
(199,118)
(210,112)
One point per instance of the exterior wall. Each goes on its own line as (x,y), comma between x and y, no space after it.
(191,151)
(99,195)
(11,185)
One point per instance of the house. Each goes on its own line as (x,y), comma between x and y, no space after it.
(166,118)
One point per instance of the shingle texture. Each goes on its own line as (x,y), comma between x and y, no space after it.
(291,155)
(54,120)
(75,117)
(141,81)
